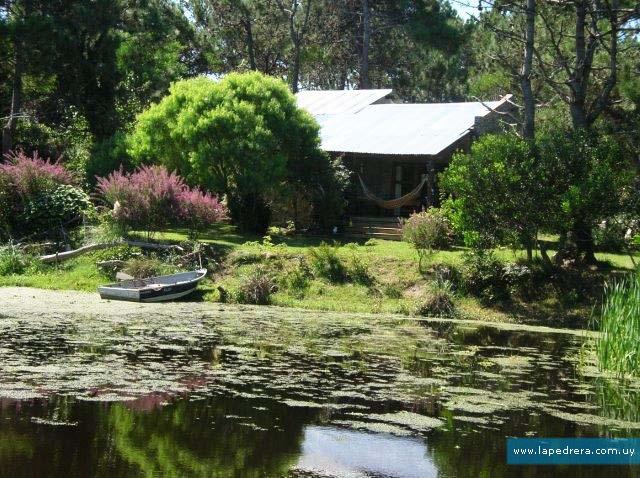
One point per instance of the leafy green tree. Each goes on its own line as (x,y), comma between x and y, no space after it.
(590,177)
(498,193)
(242,136)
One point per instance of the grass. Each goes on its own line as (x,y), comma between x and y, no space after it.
(77,274)
(396,285)
(618,347)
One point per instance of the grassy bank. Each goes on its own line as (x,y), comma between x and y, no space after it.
(375,276)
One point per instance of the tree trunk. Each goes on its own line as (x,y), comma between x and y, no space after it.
(8,132)
(295,69)
(581,71)
(248,31)
(366,42)
(528,127)
(583,235)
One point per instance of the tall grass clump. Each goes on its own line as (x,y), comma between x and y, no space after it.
(618,347)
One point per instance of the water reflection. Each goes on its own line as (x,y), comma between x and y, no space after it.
(276,395)
(334,452)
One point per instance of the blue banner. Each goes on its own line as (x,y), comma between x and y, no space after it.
(573,451)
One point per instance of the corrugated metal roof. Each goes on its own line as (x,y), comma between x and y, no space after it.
(334,102)
(401,129)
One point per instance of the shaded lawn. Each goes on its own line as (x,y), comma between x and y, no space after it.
(227,237)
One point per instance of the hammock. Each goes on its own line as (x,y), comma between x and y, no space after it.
(393,203)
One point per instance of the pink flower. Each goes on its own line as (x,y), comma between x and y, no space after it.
(29,173)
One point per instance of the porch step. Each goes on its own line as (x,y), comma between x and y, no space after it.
(374,235)
(388,228)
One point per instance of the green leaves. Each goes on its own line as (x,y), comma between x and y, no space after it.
(497,192)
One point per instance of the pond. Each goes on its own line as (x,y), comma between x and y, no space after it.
(106,389)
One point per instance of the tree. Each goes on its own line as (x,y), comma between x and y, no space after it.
(498,193)
(298,15)
(242,136)
(589,176)
(240,35)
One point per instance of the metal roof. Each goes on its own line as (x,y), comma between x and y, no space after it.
(332,102)
(401,129)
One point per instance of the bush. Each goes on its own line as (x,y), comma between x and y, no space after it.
(37,195)
(199,209)
(143,267)
(48,210)
(358,270)
(483,276)
(265,146)
(296,278)
(152,198)
(437,302)
(615,234)
(7,207)
(445,273)
(326,263)
(519,280)
(391,290)
(426,231)
(256,287)
(13,260)
(29,175)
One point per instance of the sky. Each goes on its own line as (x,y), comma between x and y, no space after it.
(465,7)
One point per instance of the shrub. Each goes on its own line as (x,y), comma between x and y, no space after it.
(143,267)
(483,276)
(37,195)
(7,207)
(358,270)
(437,302)
(445,273)
(256,287)
(13,260)
(152,198)
(296,278)
(31,174)
(618,347)
(615,234)
(326,263)
(426,231)
(519,280)
(49,209)
(392,290)
(199,210)
(498,192)
(264,144)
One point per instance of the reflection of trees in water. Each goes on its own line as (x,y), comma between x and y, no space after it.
(213,438)
(469,451)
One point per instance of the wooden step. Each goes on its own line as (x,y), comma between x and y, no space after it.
(365,229)
(374,235)
(376,220)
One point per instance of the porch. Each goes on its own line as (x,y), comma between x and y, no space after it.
(378,180)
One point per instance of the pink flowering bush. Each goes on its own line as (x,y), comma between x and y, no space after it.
(30,174)
(199,209)
(38,197)
(152,198)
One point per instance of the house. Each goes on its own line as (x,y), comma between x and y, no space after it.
(395,150)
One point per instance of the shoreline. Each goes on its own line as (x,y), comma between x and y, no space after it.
(40,303)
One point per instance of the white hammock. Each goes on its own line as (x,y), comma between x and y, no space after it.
(392,203)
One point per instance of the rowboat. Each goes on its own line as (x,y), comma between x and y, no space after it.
(153,289)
